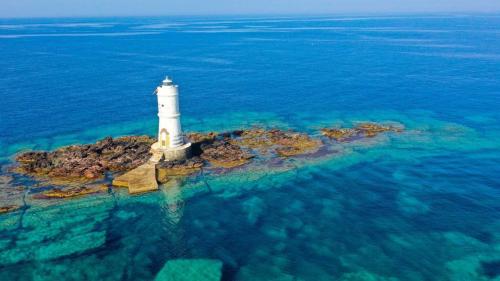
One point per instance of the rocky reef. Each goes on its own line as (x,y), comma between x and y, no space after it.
(60,193)
(225,154)
(362,130)
(282,143)
(168,169)
(88,161)
(9,208)
(73,169)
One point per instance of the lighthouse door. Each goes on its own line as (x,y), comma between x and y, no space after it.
(164,139)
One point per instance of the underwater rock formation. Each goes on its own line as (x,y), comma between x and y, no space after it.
(283,143)
(362,130)
(72,191)
(365,275)
(341,134)
(9,208)
(89,161)
(254,207)
(52,233)
(11,195)
(167,169)
(190,270)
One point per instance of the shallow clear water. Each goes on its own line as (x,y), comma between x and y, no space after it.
(423,205)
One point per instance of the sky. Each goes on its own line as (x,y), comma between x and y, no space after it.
(69,8)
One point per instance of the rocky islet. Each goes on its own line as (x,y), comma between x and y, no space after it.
(88,164)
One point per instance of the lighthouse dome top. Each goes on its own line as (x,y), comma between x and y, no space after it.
(167,82)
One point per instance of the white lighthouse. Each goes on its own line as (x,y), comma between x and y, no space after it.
(171,144)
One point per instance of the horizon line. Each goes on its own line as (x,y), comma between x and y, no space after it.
(414,13)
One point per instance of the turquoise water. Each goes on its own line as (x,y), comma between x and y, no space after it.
(421,205)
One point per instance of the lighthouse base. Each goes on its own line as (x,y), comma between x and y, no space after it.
(182,152)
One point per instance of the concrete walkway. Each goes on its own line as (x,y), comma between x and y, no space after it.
(141,179)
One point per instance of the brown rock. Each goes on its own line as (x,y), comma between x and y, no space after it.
(71,192)
(167,169)
(9,208)
(201,137)
(5,180)
(362,130)
(373,129)
(284,143)
(340,135)
(226,155)
(89,161)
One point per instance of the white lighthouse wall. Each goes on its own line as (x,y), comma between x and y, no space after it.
(173,128)
(168,113)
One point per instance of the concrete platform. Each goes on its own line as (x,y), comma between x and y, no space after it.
(178,153)
(141,179)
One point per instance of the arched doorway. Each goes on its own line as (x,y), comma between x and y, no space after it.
(164,139)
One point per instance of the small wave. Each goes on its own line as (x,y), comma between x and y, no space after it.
(459,55)
(15,36)
(396,40)
(265,39)
(213,61)
(158,26)
(332,28)
(63,25)
(437,46)
(234,30)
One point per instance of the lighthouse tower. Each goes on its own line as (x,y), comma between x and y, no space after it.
(171,144)
(169,131)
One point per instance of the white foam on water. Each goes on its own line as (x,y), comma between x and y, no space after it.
(233,30)
(457,55)
(103,34)
(62,25)
(437,46)
(159,26)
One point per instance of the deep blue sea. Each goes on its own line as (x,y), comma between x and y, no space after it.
(421,205)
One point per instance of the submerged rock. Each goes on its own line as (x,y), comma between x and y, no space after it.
(69,227)
(9,208)
(5,180)
(11,196)
(365,276)
(341,134)
(362,130)
(190,270)
(373,129)
(254,207)
(264,272)
(283,143)
(167,169)
(72,192)
(87,162)
(71,245)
